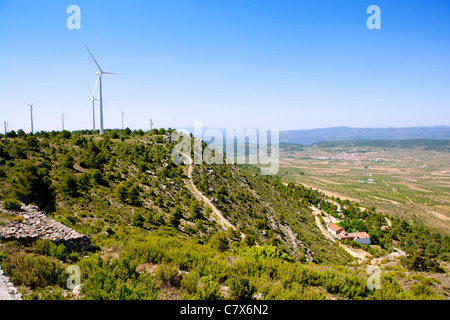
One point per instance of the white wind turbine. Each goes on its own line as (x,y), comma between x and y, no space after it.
(62,119)
(93,99)
(123,115)
(31,114)
(100,73)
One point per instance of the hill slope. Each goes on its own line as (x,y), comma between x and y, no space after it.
(155,238)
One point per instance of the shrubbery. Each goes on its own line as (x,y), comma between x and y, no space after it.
(12,204)
(35,272)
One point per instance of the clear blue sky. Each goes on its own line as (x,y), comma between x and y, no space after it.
(279,64)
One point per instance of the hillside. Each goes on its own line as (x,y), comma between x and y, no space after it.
(155,237)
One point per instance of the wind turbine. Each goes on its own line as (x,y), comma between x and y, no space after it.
(93,99)
(151,125)
(123,115)
(100,73)
(31,111)
(62,120)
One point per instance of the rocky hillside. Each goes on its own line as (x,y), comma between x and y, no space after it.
(164,231)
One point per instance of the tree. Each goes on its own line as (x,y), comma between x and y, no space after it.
(248,240)
(175,216)
(194,211)
(138,219)
(32,185)
(219,241)
(69,186)
(12,134)
(419,260)
(68,161)
(241,288)
(66,134)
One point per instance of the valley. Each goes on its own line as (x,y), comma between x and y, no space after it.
(410,182)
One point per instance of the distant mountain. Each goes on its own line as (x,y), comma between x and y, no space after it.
(307,137)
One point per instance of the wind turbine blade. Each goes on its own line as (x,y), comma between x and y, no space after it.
(92,93)
(118,74)
(94,58)
(96,82)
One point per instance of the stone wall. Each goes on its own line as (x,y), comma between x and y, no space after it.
(35,225)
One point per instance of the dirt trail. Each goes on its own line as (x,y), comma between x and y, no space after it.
(217,215)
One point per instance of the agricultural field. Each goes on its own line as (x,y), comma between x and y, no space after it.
(411,181)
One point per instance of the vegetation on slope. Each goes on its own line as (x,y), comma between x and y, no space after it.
(154,240)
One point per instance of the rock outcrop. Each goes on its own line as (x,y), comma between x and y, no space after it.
(35,224)
(7,289)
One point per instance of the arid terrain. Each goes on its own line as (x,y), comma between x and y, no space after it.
(413,183)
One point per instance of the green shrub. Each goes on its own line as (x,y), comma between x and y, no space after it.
(138,220)
(12,204)
(3,256)
(32,185)
(240,288)
(115,280)
(48,248)
(35,272)
(219,241)
(166,271)
(190,282)
(210,290)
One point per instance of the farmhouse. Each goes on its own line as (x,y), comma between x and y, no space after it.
(334,229)
(360,237)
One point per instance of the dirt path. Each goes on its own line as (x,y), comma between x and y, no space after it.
(357,253)
(316,213)
(217,215)
(354,252)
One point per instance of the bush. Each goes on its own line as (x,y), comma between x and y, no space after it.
(190,283)
(35,272)
(12,204)
(418,260)
(175,216)
(3,256)
(115,280)
(219,241)
(69,186)
(166,272)
(138,220)
(33,185)
(241,288)
(48,248)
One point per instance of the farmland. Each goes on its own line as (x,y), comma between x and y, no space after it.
(411,181)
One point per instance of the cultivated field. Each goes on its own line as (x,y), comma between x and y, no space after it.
(413,183)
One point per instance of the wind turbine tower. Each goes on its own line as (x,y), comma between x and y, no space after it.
(62,120)
(151,125)
(93,99)
(123,115)
(100,73)
(31,114)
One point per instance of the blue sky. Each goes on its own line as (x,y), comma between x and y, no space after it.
(278,64)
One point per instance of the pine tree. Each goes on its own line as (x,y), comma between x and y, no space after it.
(33,186)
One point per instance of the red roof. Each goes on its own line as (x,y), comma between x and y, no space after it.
(361,235)
(344,236)
(334,227)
